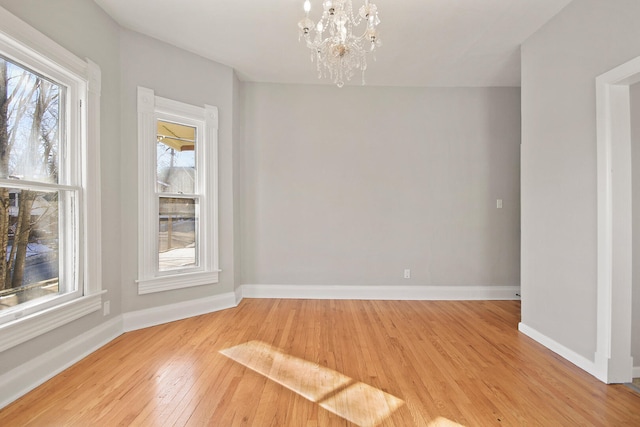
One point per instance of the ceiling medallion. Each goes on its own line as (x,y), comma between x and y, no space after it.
(334,47)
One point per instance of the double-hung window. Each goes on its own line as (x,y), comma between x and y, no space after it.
(49,184)
(177,207)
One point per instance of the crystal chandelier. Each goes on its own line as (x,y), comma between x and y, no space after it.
(334,46)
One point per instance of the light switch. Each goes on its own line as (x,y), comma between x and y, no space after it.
(499,203)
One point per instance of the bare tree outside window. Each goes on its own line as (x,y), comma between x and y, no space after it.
(30,128)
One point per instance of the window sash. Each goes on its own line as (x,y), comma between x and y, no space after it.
(197,266)
(177,144)
(69,139)
(200,173)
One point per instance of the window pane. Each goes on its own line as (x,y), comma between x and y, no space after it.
(30,150)
(177,233)
(176,160)
(30,228)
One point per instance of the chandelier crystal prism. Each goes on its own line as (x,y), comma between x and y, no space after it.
(334,46)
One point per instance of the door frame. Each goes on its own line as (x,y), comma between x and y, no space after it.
(613,360)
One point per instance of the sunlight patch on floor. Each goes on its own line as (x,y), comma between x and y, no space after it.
(354,401)
(443,422)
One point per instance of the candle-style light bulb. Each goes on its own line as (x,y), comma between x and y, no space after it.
(307,6)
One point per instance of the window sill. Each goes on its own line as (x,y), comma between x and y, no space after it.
(176,281)
(28,327)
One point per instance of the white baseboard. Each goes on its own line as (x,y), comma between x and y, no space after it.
(238,293)
(573,357)
(382,292)
(35,372)
(169,313)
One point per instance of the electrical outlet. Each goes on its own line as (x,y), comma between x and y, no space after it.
(407,273)
(106,308)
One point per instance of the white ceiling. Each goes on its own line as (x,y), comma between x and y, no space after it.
(425,42)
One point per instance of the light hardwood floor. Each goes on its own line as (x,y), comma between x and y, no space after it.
(323,363)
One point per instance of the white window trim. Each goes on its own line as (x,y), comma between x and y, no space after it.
(32,48)
(149,279)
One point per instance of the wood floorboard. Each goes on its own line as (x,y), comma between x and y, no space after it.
(386,363)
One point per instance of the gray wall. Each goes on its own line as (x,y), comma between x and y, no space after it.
(238,155)
(84,29)
(353,185)
(635,183)
(559,223)
(182,76)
